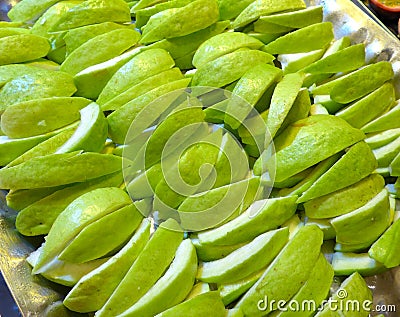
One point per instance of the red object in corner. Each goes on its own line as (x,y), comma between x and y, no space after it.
(388,12)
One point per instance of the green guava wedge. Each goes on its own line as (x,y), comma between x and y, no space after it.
(285,276)
(81,212)
(319,131)
(22,48)
(92,12)
(260,217)
(246,260)
(143,65)
(40,116)
(223,44)
(93,290)
(113,44)
(345,200)
(172,287)
(345,264)
(207,304)
(339,175)
(29,10)
(385,249)
(361,112)
(230,67)
(313,37)
(148,268)
(366,223)
(40,83)
(38,217)
(260,8)
(386,121)
(69,168)
(314,291)
(193,17)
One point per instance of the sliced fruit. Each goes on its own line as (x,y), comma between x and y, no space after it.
(81,212)
(293,265)
(364,224)
(23,47)
(46,147)
(93,289)
(367,79)
(100,237)
(382,99)
(322,132)
(344,60)
(295,19)
(171,288)
(39,84)
(307,182)
(144,86)
(120,120)
(264,7)
(40,116)
(300,109)
(91,133)
(207,209)
(232,291)
(316,289)
(386,121)
(220,72)
(92,12)
(186,46)
(292,63)
(29,10)
(198,289)
(379,139)
(260,217)
(64,273)
(69,168)
(385,249)
(345,200)
(223,44)
(353,290)
(386,154)
(325,226)
(13,148)
(79,36)
(209,303)
(210,252)
(92,80)
(147,270)
(342,173)
(22,198)
(193,17)
(307,39)
(250,88)
(245,261)
(282,100)
(229,9)
(143,15)
(345,264)
(143,65)
(113,44)
(173,123)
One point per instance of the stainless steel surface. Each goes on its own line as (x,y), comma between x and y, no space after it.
(34,294)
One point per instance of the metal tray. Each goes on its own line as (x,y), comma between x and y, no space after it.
(36,296)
